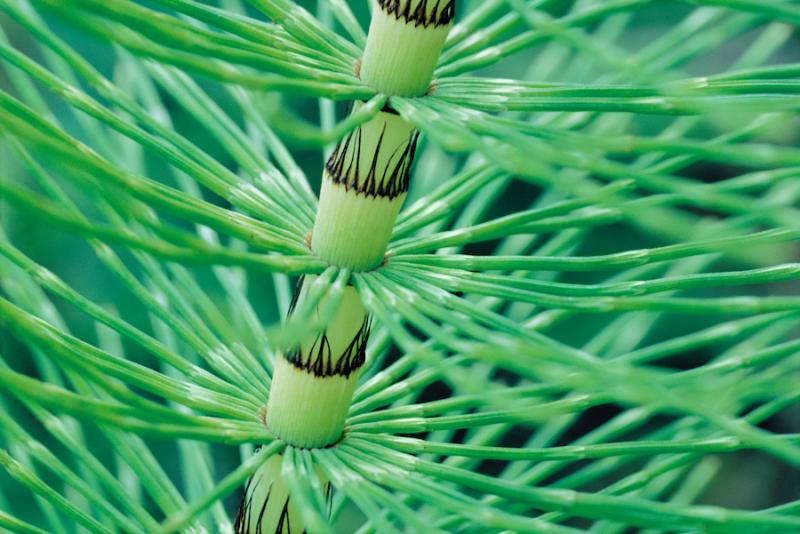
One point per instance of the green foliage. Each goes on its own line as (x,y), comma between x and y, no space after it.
(588,318)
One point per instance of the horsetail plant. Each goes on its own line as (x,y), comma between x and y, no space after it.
(584,318)
(364,184)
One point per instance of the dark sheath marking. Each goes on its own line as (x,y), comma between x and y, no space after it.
(387,108)
(329,498)
(245,513)
(284,518)
(419,16)
(296,294)
(320,361)
(343,166)
(242,523)
(259,527)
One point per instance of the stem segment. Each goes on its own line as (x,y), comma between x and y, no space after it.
(404,42)
(363,187)
(312,385)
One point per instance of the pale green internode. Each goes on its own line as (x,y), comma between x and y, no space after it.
(364,185)
(305,410)
(359,227)
(313,385)
(403,46)
(267,505)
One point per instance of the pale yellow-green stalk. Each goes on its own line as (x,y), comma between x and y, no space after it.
(365,181)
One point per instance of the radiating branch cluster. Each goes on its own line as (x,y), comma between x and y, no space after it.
(502,391)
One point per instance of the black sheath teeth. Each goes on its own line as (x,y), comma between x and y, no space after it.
(320,361)
(392,181)
(245,514)
(296,294)
(439,15)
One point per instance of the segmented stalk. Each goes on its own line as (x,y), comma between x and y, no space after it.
(364,185)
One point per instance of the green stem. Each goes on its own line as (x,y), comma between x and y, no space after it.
(403,45)
(363,187)
(364,184)
(313,384)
